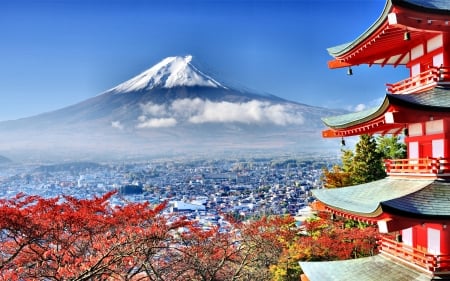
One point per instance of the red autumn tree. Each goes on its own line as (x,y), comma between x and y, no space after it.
(72,239)
(323,239)
(242,251)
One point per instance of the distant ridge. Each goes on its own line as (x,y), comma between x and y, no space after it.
(4,160)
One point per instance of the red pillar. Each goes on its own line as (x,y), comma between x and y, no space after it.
(446,42)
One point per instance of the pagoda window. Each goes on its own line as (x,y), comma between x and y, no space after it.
(415,70)
(417,52)
(413,150)
(438,148)
(434,127)
(438,60)
(435,43)
(407,236)
(434,241)
(415,130)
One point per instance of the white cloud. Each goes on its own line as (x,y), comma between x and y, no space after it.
(186,108)
(117,125)
(198,111)
(248,113)
(373,103)
(153,109)
(157,123)
(360,107)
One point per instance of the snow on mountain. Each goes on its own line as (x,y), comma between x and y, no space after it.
(168,73)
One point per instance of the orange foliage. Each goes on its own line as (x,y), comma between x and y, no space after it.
(67,238)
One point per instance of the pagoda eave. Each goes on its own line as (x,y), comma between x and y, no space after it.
(369,218)
(392,116)
(386,220)
(333,64)
(384,42)
(374,128)
(364,200)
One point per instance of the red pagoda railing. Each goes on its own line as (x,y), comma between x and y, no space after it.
(420,166)
(423,81)
(423,259)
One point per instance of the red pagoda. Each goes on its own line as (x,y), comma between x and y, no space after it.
(413,201)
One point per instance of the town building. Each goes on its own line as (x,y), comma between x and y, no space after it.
(413,201)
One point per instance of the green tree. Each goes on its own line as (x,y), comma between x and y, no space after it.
(363,165)
(391,147)
(367,162)
(347,161)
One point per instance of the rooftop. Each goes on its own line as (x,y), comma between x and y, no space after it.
(375,268)
(368,199)
(423,18)
(373,121)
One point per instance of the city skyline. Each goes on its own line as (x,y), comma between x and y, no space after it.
(56,53)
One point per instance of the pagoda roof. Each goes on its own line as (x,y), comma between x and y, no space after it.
(375,268)
(355,118)
(367,200)
(430,202)
(432,5)
(435,100)
(383,42)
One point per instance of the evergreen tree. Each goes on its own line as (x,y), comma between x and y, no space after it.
(367,162)
(391,147)
(347,161)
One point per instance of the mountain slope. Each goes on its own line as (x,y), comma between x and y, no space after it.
(172,106)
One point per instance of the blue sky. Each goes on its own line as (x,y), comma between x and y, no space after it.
(54,53)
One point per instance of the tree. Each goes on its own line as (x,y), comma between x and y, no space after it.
(363,165)
(391,147)
(323,239)
(65,238)
(241,251)
(336,177)
(367,162)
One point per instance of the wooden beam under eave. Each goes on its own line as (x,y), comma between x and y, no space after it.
(333,64)
(400,59)
(385,61)
(329,134)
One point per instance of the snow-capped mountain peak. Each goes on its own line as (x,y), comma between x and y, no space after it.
(168,73)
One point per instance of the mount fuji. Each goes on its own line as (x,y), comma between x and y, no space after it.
(170,109)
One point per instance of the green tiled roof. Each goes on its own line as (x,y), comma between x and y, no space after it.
(437,99)
(431,201)
(337,49)
(365,199)
(374,268)
(342,121)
